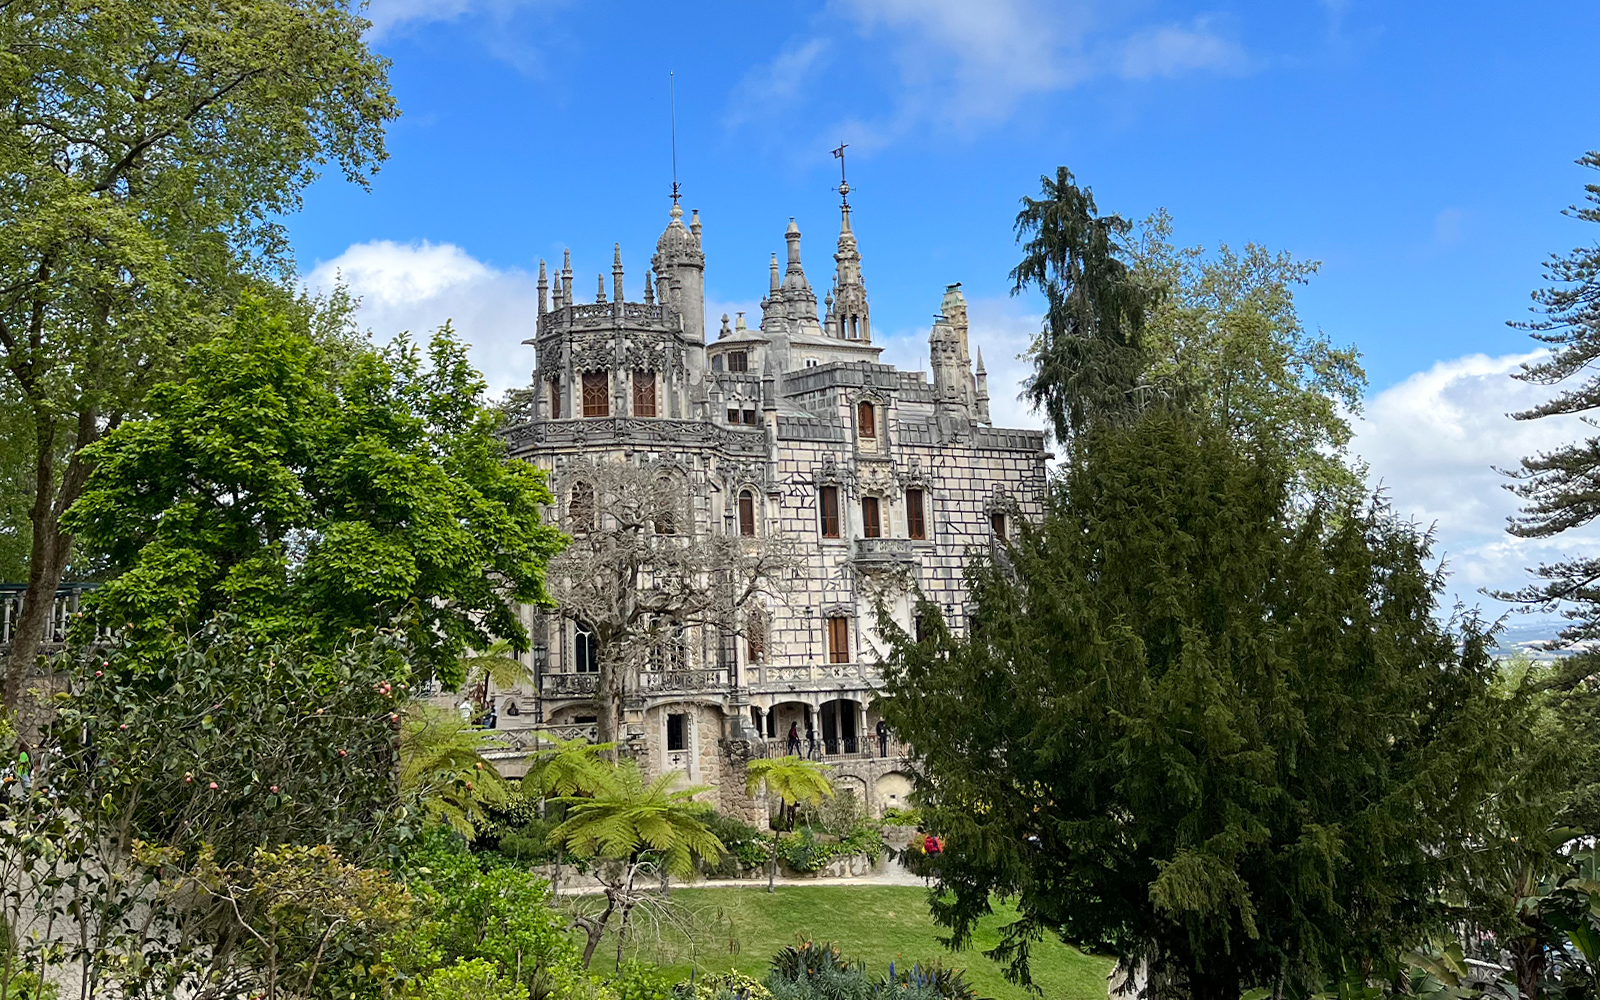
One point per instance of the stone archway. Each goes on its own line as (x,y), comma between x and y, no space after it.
(891,791)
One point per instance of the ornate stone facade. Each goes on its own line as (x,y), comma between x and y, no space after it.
(888,479)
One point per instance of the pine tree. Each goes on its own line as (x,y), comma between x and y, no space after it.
(1203,726)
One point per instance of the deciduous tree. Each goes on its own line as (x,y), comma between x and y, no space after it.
(310,492)
(147,148)
(644,576)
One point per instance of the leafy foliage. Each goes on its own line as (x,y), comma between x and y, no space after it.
(442,769)
(632,817)
(1197,725)
(472,908)
(148,150)
(311,493)
(1223,336)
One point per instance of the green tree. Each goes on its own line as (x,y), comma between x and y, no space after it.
(1205,727)
(147,148)
(443,771)
(1223,335)
(1556,488)
(311,492)
(1088,355)
(629,826)
(792,781)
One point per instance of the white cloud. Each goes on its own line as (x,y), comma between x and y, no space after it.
(418,286)
(962,64)
(1174,50)
(1435,441)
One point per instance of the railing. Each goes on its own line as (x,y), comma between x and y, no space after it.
(63,610)
(885,550)
(569,685)
(683,680)
(843,747)
(760,676)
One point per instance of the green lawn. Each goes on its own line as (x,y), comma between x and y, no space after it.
(741,928)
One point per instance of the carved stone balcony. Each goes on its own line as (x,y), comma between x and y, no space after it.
(763,678)
(688,681)
(569,685)
(880,553)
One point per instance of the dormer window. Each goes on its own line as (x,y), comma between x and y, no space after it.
(866,420)
(738,361)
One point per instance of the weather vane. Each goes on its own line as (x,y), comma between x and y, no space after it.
(844,185)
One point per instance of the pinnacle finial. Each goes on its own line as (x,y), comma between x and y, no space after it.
(600,296)
(616,255)
(980,359)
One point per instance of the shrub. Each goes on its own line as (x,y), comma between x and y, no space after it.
(722,986)
(746,847)
(469,980)
(806,853)
(926,981)
(895,816)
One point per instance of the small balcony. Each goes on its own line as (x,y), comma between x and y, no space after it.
(687,681)
(765,678)
(872,553)
(569,685)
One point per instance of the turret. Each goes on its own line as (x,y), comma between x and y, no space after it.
(951,381)
(680,268)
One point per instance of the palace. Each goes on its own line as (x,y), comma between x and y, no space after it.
(887,480)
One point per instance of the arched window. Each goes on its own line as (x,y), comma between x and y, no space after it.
(916,515)
(580,508)
(585,651)
(747,513)
(866,420)
(596,394)
(666,507)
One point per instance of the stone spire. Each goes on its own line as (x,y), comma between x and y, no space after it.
(848,317)
(600,296)
(566,277)
(794,277)
(773,290)
(544,288)
(616,272)
(649,291)
(983,392)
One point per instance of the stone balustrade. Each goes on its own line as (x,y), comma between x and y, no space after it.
(764,678)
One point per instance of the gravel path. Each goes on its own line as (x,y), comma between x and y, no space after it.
(890,872)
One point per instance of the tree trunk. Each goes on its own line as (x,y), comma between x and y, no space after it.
(51,548)
(596,928)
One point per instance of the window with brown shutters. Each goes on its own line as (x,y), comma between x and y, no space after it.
(916,519)
(997,524)
(596,393)
(555,399)
(866,420)
(828,500)
(747,513)
(870,527)
(644,394)
(838,640)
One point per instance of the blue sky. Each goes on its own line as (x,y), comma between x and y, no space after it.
(1422,152)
